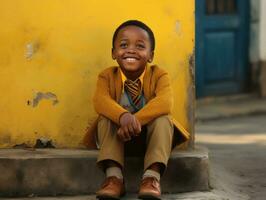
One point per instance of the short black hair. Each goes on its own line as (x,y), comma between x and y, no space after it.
(138,24)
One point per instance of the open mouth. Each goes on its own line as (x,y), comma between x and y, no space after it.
(131,59)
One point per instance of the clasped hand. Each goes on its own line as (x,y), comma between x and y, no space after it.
(129,127)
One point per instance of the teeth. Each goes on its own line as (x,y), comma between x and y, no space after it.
(131,59)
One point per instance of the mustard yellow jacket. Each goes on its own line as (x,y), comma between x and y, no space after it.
(157,93)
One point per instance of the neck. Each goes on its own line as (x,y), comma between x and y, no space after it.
(132,75)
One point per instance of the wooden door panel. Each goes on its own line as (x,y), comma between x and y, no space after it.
(219,57)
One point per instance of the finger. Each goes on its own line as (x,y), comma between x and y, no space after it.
(126,134)
(135,127)
(138,125)
(120,134)
(131,130)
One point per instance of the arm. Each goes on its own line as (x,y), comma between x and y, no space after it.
(161,104)
(103,102)
(105,105)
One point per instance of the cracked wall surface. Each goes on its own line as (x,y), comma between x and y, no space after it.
(51,53)
(39,96)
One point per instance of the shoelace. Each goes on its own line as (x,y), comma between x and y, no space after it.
(147,182)
(110,181)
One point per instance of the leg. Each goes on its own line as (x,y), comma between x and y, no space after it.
(159,142)
(111,160)
(111,150)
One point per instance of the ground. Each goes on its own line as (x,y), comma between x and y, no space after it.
(237,155)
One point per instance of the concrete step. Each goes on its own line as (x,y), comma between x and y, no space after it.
(52,172)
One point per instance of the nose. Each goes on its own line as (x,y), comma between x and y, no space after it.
(131,49)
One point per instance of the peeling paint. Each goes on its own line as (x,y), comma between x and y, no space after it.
(191,98)
(192,66)
(178,27)
(31,49)
(44,143)
(21,146)
(40,96)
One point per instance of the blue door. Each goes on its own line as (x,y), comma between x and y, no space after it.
(222,31)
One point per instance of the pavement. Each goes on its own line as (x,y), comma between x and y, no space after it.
(237,149)
(234,131)
(215,108)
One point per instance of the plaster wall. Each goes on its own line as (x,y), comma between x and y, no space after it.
(262,31)
(51,52)
(254,31)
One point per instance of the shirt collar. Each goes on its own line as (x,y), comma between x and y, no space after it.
(124,78)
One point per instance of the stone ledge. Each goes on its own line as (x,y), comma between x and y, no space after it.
(51,172)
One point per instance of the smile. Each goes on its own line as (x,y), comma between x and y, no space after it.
(131,59)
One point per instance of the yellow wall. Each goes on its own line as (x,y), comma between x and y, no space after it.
(51,52)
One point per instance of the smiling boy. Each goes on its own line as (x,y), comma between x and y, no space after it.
(134,99)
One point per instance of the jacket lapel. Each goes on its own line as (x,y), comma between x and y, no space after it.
(118,84)
(146,83)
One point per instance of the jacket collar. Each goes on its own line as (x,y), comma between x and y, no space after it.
(124,78)
(119,83)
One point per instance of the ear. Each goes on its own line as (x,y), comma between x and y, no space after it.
(113,54)
(151,57)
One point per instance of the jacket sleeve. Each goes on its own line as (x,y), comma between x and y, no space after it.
(161,104)
(104,104)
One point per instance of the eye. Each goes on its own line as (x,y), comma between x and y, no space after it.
(123,45)
(140,46)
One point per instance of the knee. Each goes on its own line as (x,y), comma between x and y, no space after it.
(104,125)
(103,121)
(163,120)
(105,130)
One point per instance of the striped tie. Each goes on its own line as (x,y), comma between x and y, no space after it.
(133,89)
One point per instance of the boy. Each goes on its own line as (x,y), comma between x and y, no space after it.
(128,99)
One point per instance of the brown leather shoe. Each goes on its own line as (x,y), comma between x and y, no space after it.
(112,188)
(150,189)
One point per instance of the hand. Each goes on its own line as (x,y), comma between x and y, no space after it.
(130,126)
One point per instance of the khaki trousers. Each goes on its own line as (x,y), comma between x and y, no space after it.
(159,136)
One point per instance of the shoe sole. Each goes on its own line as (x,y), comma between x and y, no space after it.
(148,197)
(107,197)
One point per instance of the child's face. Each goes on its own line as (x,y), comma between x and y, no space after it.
(132,50)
